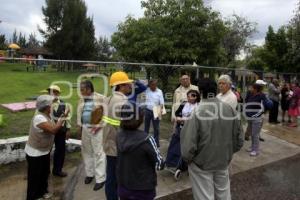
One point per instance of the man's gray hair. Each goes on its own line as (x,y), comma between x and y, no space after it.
(225,78)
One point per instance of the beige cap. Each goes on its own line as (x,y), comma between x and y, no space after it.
(54,87)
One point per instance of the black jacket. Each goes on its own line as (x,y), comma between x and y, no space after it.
(57,114)
(137,160)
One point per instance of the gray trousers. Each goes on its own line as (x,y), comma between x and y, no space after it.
(255,127)
(209,185)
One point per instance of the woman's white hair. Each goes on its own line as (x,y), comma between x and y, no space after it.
(225,78)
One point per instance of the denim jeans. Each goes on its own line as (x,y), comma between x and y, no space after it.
(255,126)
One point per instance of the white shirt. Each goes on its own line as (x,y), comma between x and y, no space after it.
(154,98)
(188,109)
(229,98)
(38,119)
(180,95)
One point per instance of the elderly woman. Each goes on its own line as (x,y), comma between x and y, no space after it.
(182,114)
(226,95)
(38,147)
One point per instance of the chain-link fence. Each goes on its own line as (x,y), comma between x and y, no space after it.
(167,74)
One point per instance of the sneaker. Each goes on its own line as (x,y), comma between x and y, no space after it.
(98,186)
(253,153)
(88,180)
(47,196)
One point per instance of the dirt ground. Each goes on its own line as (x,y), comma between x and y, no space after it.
(13,179)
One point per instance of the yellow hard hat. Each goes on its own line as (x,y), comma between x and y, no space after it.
(54,87)
(119,78)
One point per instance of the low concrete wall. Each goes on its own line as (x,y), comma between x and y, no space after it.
(12,149)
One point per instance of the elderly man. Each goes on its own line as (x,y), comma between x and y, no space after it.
(208,141)
(180,94)
(93,154)
(226,95)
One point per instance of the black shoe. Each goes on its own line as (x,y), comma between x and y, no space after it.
(98,186)
(261,139)
(88,180)
(60,174)
(247,138)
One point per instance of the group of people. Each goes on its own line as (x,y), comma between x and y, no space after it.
(123,158)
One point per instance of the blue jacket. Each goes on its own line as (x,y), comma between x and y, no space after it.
(256,105)
(139,88)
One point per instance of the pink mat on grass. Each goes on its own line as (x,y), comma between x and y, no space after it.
(16,107)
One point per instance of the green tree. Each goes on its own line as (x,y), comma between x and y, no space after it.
(293,37)
(171,32)
(104,49)
(276,45)
(256,61)
(70,33)
(14,38)
(22,40)
(33,41)
(3,44)
(239,30)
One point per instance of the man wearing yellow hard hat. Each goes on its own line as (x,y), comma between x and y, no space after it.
(122,86)
(59,107)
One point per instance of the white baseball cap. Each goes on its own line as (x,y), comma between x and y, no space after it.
(260,82)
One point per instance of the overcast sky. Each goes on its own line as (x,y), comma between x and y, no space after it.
(25,15)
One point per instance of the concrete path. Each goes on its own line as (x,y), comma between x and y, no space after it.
(274,149)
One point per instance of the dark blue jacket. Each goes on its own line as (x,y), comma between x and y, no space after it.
(138,157)
(139,88)
(256,105)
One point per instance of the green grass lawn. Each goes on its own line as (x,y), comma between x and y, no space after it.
(16,85)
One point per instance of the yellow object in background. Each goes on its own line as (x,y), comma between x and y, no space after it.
(14,46)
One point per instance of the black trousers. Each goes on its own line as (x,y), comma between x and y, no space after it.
(111,185)
(273,114)
(37,176)
(59,152)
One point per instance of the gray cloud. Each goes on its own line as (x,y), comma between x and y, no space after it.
(25,15)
